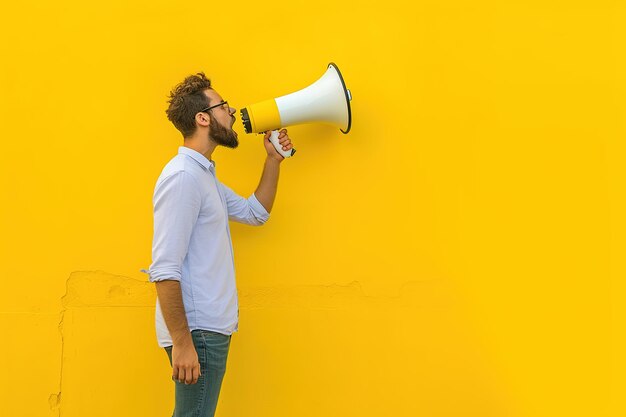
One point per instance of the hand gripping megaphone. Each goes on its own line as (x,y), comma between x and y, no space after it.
(327,100)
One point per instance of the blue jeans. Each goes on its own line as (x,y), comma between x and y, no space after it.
(200,399)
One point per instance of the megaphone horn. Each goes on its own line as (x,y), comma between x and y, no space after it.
(327,100)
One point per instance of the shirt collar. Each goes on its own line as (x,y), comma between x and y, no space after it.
(198,157)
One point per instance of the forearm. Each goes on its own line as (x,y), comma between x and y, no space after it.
(173,309)
(266,191)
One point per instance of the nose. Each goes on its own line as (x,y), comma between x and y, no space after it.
(231,110)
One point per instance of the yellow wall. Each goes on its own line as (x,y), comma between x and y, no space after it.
(459,253)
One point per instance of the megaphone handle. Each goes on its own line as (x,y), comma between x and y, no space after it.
(278,146)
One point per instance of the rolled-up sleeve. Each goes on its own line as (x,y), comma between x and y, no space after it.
(244,210)
(177,201)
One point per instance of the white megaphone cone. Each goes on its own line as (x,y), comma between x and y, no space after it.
(325,101)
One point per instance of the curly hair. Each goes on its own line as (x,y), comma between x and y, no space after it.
(187,99)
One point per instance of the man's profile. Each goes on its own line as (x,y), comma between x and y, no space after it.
(192,254)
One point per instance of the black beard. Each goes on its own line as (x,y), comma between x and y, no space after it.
(221,135)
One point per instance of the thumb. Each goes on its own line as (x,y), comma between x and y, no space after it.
(268,134)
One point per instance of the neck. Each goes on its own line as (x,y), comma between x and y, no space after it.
(201,145)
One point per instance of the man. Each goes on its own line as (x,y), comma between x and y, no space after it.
(192,255)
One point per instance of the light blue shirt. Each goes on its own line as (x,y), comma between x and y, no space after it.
(192,242)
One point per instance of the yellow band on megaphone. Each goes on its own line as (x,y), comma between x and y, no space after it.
(264,116)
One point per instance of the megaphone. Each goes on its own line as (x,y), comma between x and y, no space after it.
(327,100)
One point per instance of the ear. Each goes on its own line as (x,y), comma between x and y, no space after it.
(202,119)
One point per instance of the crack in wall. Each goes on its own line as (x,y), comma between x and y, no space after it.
(54,400)
(414,293)
(98,289)
(84,289)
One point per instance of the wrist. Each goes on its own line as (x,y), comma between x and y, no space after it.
(183,339)
(274,160)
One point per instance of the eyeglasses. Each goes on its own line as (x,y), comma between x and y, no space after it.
(217,105)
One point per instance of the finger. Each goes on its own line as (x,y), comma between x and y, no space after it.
(196,374)
(267,135)
(285,142)
(181,375)
(175,373)
(283,131)
(189,375)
